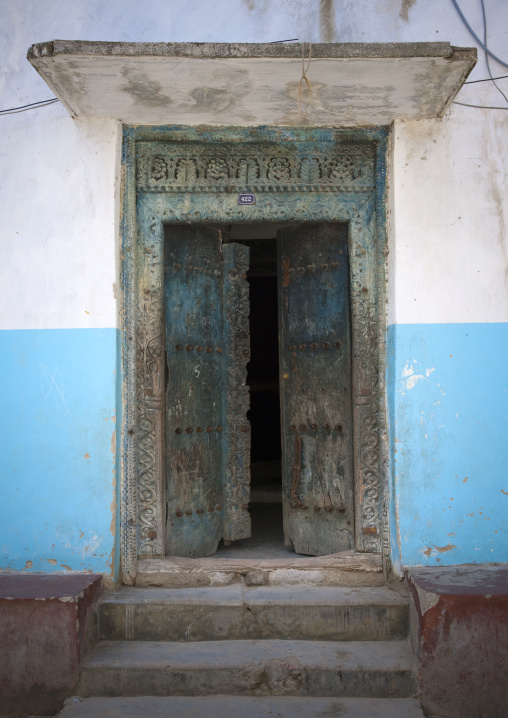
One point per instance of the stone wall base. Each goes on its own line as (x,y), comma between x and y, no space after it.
(47,624)
(459,628)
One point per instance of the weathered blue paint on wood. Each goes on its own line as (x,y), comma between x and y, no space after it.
(207,433)
(194,394)
(237,433)
(315,378)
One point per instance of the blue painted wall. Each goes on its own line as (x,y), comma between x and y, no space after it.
(448,407)
(58,506)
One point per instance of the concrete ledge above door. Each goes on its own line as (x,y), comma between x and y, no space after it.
(342,84)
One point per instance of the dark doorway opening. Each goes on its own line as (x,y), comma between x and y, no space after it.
(263,381)
(267,539)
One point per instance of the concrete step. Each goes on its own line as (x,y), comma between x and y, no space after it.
(243,707)
(264,612)
(367,669)
(347,568)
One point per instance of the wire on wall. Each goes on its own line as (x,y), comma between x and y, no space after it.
(486,79)
(481,107)
(487,53)
(472,32)
(31,106)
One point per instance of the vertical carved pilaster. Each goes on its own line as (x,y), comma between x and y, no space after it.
(365,391)
(236,335)
(150,384)
(150,423)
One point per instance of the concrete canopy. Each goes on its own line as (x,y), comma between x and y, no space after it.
(253,84)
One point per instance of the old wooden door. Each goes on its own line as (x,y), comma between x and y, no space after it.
(207,432)
(315,379)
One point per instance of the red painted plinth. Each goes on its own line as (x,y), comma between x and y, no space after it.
(460,634)
(46,625)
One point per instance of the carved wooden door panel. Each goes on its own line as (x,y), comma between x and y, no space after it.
(315,378)
(207,432)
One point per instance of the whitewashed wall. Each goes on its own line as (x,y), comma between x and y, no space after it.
(59,182)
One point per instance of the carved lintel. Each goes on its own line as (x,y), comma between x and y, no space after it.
(259,167)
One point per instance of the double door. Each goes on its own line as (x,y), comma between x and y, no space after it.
(208,433)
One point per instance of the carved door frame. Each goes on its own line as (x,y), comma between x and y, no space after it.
(193,175)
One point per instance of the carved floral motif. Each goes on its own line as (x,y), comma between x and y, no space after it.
(248,171)
(172,167)
(186,170)
(279,170)
(217,169)
(310,170)
(159,169)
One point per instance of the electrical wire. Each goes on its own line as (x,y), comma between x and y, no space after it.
(31,106)
(483,45)
(486,55)
(481,107)
(472,32)
(487,79)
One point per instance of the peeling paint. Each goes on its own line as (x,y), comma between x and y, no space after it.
(427,599)
(444,549)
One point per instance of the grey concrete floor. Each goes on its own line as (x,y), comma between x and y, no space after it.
(267,540)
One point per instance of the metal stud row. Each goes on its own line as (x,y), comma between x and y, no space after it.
(198,270)
(314,267)
(340,509)
(314,346)
(188,512)
(199,429)
(315,427)
(189,348)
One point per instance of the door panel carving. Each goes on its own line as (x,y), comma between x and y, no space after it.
(315,380)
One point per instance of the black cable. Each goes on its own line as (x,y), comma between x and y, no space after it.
(487,79)
(481,107)
(486,55)
(32,105)
(480,43)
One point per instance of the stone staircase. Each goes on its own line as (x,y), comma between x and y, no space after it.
(250,651)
